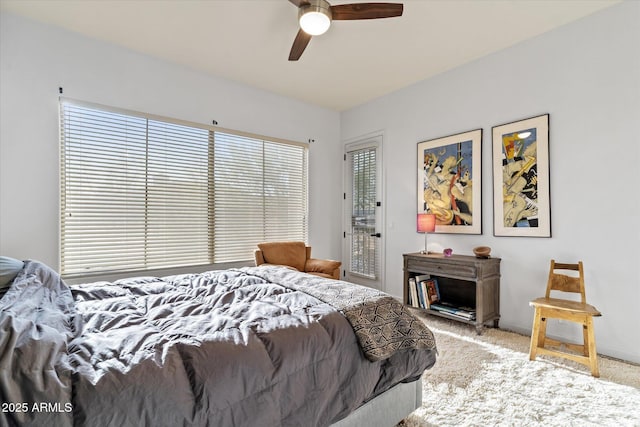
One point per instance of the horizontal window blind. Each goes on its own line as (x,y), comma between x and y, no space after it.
(260,194)
(140,193)
(364,245)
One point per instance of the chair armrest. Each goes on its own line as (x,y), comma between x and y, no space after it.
(259,257)
(325,266)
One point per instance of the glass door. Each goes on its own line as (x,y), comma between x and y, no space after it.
(363,209)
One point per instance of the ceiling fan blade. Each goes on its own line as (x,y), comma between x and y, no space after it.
(299,3)
(343,12)
(299,45)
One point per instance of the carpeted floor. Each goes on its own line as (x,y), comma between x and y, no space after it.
(488,380)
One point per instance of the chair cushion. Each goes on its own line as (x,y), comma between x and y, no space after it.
(285,253)
(322,266)
(326,276)
(279,265)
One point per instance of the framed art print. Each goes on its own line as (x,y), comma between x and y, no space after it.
(450,182)
(521,196)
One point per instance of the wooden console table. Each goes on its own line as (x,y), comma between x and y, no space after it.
(463,281)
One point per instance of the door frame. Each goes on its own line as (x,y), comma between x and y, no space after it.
(374,139)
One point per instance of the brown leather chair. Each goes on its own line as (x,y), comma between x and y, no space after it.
(296,255)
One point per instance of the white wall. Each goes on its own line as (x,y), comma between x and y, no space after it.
(36,59)
(587,77)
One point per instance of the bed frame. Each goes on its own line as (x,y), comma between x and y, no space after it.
(387,409)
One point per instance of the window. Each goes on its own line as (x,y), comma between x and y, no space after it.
(364,197)
(139,192)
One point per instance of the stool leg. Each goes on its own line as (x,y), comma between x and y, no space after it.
(542,335)
(585,337)
(535,335)
(593,356)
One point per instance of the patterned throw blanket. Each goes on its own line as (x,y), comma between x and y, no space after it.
(382,324)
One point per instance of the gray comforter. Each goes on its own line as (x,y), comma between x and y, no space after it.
(248,347)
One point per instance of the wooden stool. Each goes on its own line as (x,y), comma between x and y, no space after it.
(573,311)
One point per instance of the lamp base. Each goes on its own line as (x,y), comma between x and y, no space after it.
(425,251)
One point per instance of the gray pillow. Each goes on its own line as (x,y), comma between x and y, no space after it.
(9,269)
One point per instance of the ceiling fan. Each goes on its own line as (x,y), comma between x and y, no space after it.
(315,17)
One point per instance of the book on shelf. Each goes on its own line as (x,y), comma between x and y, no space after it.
(423,290)
(458,316)
(422,294)
(432,290)
(466,313)
(413,293)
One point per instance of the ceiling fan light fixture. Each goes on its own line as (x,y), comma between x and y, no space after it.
(315,18)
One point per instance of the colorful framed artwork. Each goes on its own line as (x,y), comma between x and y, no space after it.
(521,190)
(450,182)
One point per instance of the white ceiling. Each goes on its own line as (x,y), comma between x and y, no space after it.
(248,41)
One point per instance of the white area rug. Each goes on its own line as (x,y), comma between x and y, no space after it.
(488,380)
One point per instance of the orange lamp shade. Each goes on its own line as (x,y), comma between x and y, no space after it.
(426,223)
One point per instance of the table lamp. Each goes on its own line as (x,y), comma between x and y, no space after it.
(426,225)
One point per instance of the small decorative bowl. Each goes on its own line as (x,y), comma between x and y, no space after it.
(482,251)
(447,252)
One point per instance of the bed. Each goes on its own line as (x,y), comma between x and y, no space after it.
(255,346)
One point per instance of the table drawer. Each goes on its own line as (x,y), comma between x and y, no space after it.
(438,267)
